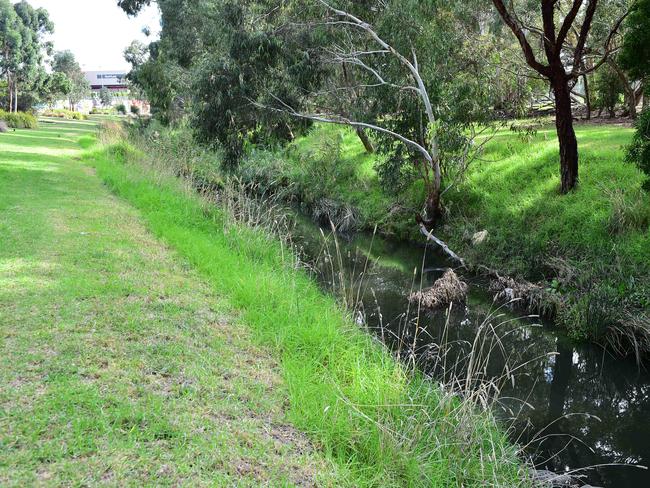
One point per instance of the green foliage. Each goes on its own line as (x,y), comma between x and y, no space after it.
(635,51)
(257,63)
(639,151)
(19,120)
(62,113)
(121,109)
(57,85)
(376,421)
(135,110)
(82,383)
(23,30)
(592,241)
(103,111)
(105,96)
(608,89)
(65,62)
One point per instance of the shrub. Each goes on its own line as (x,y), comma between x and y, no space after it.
(639,151)
(135,110)
(121,109)
(102,111)
(63,113)
(19,120)
(324,168)
(3,126)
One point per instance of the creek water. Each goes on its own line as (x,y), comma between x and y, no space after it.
(572,406)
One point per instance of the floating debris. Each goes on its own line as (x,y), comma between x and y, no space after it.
(445,290)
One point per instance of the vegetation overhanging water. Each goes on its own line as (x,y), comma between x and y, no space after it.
(572,406)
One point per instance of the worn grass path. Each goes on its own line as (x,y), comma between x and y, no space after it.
(118,363)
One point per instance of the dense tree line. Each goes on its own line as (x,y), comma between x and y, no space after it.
(24,53)
(417,80)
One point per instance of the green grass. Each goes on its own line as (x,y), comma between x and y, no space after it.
(119,364)
(592,246)
(146,342)
(594,243)
(382,425)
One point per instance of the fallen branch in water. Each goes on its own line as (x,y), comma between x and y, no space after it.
(442,244)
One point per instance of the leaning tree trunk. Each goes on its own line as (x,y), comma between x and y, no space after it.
(566,134)
(367,143)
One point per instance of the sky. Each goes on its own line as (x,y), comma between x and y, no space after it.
(97,31)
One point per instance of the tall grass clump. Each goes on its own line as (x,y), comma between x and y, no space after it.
(19,120)
(384,422)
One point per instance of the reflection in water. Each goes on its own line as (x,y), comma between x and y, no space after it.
(577,408)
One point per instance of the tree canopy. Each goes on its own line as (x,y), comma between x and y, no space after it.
(23,30)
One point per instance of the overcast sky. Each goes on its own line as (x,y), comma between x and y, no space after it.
(96,31)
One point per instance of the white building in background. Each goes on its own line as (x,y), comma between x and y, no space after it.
(115,81)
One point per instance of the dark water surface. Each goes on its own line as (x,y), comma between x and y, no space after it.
(579,407)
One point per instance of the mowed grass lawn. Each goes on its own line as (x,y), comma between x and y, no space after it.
(118,363)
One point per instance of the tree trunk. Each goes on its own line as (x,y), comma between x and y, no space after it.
(433,208)
(630,95)
(11,93)
(16,97)
(367,143)
(565,133)
(587,97)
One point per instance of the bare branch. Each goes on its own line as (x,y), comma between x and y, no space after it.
(567,25)
(584,33)
(337,119)
(356,22)
(517,30)
(607,51)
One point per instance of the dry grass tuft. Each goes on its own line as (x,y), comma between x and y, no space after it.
(529,296)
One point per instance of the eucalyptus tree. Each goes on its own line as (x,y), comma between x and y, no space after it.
(65,62)
(413,82)
(560,33)
(55,87)
(635,51)
(10,44)
(34,26)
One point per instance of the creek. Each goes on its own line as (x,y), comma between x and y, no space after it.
(572,406)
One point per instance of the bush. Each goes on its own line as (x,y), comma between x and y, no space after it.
(324,168)
(19,120)
(121,109)
(135,110)
(102,111)
(639,151)
(62,113)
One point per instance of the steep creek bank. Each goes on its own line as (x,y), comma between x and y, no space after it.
(572,406)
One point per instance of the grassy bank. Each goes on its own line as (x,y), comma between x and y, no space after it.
(589,251)
(382,425)
(119,364)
